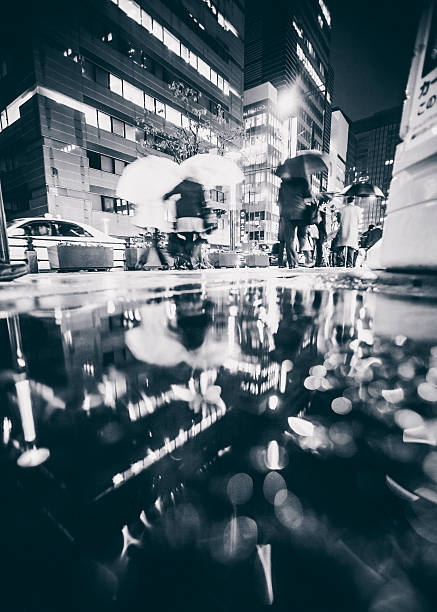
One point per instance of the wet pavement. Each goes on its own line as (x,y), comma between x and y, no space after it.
(224,440)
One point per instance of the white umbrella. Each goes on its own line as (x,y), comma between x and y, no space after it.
(210,169)
(148,179)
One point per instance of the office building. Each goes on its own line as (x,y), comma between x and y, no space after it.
(288,45)
(377,137)
(372,152)
(338,150)
(259,215)
(77,81)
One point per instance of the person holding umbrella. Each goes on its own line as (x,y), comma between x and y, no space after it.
(294,199)
(189,217)
(350,217)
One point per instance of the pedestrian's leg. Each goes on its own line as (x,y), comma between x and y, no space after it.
(319,253)
(350,257)
(281,247)
(289,233)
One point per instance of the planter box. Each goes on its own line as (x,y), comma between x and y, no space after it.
(224,260)
(66,257)
(257,260)
(132,256)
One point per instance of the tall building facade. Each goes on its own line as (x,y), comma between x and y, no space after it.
(288,45)
(338,150)
(262,153)
(376,140)
(79,80)
(371,152)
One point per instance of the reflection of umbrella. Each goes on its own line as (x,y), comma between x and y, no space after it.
(362,190)
(210,169)
(304,164)
(148,179)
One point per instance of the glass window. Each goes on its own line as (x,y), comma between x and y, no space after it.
(70,229)
(134,11)
(115,84)
(157,30)
(117,126)
(88,70)
(172,42)
(173,116)
(213,77)
(185,54)
(38,228)
(193,60)
(119,166)
(104,121)
(90,116)
(102,77)
(160,108)
(149,103)
(133,94)
(107,163)
(226,88)
(3,120)
(146,21)
(108,204)
(130,132)
(13,112)
(203,68)
(93,160)
(220,82)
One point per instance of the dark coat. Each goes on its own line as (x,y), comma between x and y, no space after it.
(291,199)
(192,199)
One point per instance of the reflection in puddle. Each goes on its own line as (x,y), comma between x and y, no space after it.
(263,444)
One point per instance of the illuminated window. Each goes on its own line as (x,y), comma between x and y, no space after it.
(146,21)
(173,115)
(204,69)
(325,12)
(320,20)
(158,31)
(172,42)
(115,84)
(104,121)
(130,132)
(133,94)
(149,103)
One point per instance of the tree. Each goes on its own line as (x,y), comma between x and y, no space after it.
(199,132)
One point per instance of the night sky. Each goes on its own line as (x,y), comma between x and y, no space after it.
(371,52)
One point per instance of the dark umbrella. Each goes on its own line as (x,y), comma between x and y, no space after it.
(362,190)
(304,164)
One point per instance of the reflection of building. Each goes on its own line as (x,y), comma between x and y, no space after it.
(377,137)
(288,45)
(261,156)
(338,150)
(80,75)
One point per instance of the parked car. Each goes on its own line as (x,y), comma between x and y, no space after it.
(49,232)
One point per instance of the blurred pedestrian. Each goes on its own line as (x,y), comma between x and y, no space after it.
(293,200)
(350,217)
(189,219)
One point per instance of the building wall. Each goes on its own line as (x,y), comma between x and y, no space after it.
(92,71)
(261,155)
(338,151)
(289,46)
(377,137)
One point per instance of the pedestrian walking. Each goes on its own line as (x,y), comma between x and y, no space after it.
(189,220)
(293,200)
(350,217)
